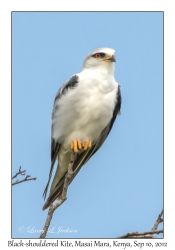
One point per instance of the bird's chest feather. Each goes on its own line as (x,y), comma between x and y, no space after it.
(96,101)
(87,109)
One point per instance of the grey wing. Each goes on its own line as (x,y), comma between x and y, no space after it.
(55,146)
(86,155)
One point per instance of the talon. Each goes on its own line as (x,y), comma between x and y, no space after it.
(75,146)
(89,146)
(86,144)
(79,144)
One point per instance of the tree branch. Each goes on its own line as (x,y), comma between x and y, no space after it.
(158,221)
(63,197)
(140,235)
(27,178)
(146,235)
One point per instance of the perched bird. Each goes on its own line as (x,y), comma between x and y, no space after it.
(84,111)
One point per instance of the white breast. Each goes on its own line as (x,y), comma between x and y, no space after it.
(86,110)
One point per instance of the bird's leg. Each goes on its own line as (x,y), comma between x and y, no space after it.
(76,145)
(86,144)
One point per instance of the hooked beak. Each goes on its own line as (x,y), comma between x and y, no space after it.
(111,58)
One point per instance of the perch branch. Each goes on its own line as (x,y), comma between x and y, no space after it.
(52,207)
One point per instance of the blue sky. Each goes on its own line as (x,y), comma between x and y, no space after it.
(120,189)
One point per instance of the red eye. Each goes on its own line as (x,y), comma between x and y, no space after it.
(97,56)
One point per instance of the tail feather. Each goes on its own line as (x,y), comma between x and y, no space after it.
(57,190)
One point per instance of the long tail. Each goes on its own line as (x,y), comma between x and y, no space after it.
(57,191)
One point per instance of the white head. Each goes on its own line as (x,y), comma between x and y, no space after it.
(103,58)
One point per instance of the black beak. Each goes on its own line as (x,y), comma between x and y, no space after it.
(112,58)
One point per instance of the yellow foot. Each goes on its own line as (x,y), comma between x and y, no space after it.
(76,145)
(86,144)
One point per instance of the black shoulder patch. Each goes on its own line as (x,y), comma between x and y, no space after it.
(71,83)
(117,108)
(119,99)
